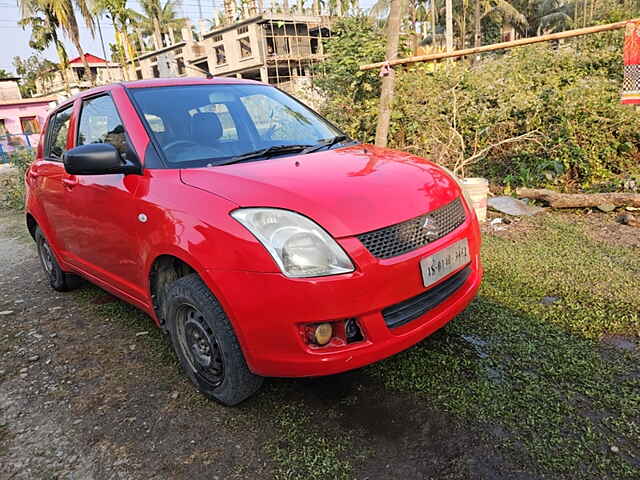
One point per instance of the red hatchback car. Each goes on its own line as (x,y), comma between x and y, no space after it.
(258,235)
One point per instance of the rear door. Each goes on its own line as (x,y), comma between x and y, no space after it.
(49,180)
(104,208)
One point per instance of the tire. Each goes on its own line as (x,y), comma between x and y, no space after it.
(58,279)
(206,344)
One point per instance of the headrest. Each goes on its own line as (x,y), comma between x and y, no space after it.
(205,127)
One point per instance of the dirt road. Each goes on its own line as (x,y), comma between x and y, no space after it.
(89,389)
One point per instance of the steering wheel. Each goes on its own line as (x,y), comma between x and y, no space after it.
(177,143)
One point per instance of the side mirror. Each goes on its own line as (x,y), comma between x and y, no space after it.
(97,159)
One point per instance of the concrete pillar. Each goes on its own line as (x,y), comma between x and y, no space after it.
(187,34)
(264,74)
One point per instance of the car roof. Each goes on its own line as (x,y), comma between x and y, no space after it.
(168,82)
(157,82)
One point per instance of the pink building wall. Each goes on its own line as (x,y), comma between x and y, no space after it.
(11,112)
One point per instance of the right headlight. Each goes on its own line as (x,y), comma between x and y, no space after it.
(300,247)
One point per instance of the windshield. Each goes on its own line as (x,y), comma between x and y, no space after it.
(208,125)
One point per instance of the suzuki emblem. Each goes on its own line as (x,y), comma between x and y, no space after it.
(430,226)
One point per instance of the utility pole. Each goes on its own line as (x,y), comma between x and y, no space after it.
(388,79)
(104,51)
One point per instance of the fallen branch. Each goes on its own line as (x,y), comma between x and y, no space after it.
(479,155)
(580,200)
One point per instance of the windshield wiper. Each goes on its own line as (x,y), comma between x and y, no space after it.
(266,152)
(327,143)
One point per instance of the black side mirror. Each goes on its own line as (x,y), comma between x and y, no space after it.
(97,159)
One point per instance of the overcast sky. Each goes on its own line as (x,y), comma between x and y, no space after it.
(15,41)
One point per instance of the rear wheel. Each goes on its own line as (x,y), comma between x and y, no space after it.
(206,344)
(59,280)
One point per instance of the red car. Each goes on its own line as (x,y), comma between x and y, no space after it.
(258,235)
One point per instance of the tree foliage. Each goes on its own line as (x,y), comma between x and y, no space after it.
(355,41)
(562,107)
(31,68)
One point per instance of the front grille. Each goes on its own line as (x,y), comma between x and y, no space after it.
(404,312)
(410,235)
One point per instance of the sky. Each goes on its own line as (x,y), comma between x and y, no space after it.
(15,40)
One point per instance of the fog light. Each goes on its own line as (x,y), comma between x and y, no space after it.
(323,333)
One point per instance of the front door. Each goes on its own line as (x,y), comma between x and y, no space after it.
(104,208)
(50,181)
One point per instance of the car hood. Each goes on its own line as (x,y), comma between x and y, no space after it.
(348,191)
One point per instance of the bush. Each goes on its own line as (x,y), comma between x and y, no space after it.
(534,116)
(13,182)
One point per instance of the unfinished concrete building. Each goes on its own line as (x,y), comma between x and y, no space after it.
(276,48)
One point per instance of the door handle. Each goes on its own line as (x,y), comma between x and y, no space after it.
(69,183)
(33,174)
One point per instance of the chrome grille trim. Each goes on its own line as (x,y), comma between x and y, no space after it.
(410,235)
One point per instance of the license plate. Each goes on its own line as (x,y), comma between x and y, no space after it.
(442,263)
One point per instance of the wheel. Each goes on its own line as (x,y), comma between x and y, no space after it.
(206,344)
(59,280)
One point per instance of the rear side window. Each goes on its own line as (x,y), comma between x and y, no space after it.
(57,138)
(100,123)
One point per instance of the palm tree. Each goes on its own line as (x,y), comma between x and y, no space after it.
(65,17)
(507,12)
(122,18)
(552,15)
(43,33)
(156,17)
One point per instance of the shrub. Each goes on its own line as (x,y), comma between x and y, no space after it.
(13,182)
(533,116)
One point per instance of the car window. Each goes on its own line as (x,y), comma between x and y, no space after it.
(57,138)
(206,125)
(277,121)
(155,122)
(229,131)
(100,123)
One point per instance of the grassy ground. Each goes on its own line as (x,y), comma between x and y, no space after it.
(533,375)
(527,383)
(535,371)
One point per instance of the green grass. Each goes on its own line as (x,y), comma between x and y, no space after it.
(303,451)
(537,375)
(553,398)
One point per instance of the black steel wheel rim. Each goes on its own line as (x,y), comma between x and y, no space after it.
(46,257)
(199,345)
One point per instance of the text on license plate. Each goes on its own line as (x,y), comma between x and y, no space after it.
(440,264)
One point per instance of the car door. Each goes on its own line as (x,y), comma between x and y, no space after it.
(49,180)
(104,208)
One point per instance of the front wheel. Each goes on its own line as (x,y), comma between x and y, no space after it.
(59,280)
(206,344)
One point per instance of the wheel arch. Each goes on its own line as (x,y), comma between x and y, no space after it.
(165,269)
(32,224)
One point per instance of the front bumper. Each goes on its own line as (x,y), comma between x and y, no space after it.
(266,309)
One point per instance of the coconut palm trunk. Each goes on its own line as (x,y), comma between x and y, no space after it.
(74,35)
(449,25)
(433,24)
(388,81)
(157,33)
(477,29)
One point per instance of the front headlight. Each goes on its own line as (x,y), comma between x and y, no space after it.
(300,247)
